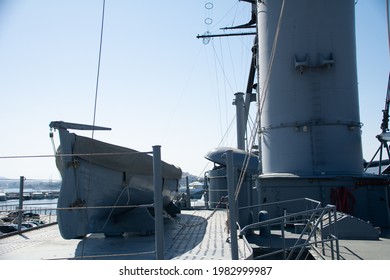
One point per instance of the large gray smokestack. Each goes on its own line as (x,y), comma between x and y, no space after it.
(310,121)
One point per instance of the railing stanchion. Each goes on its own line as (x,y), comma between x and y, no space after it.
(158,203)
(232,205)
(20,209)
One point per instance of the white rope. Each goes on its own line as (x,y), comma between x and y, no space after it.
(260,109)
(73,155)
(273,51)
(115,206)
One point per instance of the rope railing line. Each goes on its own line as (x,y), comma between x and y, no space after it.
(106,255)
(103,207)
(44,180)
(71,155)
(34,204)
(84,207)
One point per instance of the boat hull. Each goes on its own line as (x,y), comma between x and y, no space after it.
(108,189)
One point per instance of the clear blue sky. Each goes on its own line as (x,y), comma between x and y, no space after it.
(159,85)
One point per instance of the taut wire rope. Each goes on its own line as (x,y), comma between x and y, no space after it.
(98,67)
(261,101)
(95,105)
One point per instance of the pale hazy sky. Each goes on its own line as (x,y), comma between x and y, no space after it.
(159,85)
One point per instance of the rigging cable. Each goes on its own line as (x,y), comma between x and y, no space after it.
(86,214)
(261,103)
(388,22)
(219,61)
(224,81)
(246,161)
(272,57)
(220,143)
(216,58)
(226,14)
(98,67)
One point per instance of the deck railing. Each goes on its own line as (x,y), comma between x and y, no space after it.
(311,221)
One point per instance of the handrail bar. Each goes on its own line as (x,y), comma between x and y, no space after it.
(298,246)
(314,218)
(278,219)
(280,202)
(311,233)
(246,244)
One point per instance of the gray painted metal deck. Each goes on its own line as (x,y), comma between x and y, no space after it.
(348,249)
(192,236)
(208,240)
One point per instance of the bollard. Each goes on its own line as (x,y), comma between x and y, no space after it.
(264,230)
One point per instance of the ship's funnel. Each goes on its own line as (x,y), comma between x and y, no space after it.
(310,122)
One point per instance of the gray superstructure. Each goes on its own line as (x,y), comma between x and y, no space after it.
(310,121)
(309,125)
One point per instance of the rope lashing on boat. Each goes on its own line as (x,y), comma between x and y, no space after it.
(115,206)
(74,163)
(51,135)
